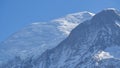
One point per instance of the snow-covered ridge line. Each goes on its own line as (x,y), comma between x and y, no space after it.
(37,37)
(72,20)
(101,51)
(80,13)
(93,45)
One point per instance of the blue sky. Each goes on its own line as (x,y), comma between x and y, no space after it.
(16,14)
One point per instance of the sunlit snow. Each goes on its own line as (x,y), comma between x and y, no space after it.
(103,55)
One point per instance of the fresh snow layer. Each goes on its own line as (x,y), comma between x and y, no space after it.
(110,52)
(102,55)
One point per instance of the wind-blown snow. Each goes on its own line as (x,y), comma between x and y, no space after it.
(66,26)
(70,21)
(92,44)
(37,37)
(36,23)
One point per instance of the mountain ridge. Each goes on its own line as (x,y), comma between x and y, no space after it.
(94,43)
(86,54)
(34,38)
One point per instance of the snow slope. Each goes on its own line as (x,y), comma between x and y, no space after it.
(92,44)
(95,43)
(37,37)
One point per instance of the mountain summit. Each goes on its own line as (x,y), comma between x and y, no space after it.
(95,43)
(37,37)
(107,15)
(92,44)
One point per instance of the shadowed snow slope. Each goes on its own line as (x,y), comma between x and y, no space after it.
(92,44)
(40,36)
(95,43)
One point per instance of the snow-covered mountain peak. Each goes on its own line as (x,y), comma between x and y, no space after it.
(106,17)
(94,43)
(110,9)
(76,16)
(37,37)
(72,20)
(110,12)
(81,14)
(90,45)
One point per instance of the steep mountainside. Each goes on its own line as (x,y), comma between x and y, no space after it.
(92,44)
(38,37)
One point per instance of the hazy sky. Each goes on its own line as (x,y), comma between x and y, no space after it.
(15,14)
